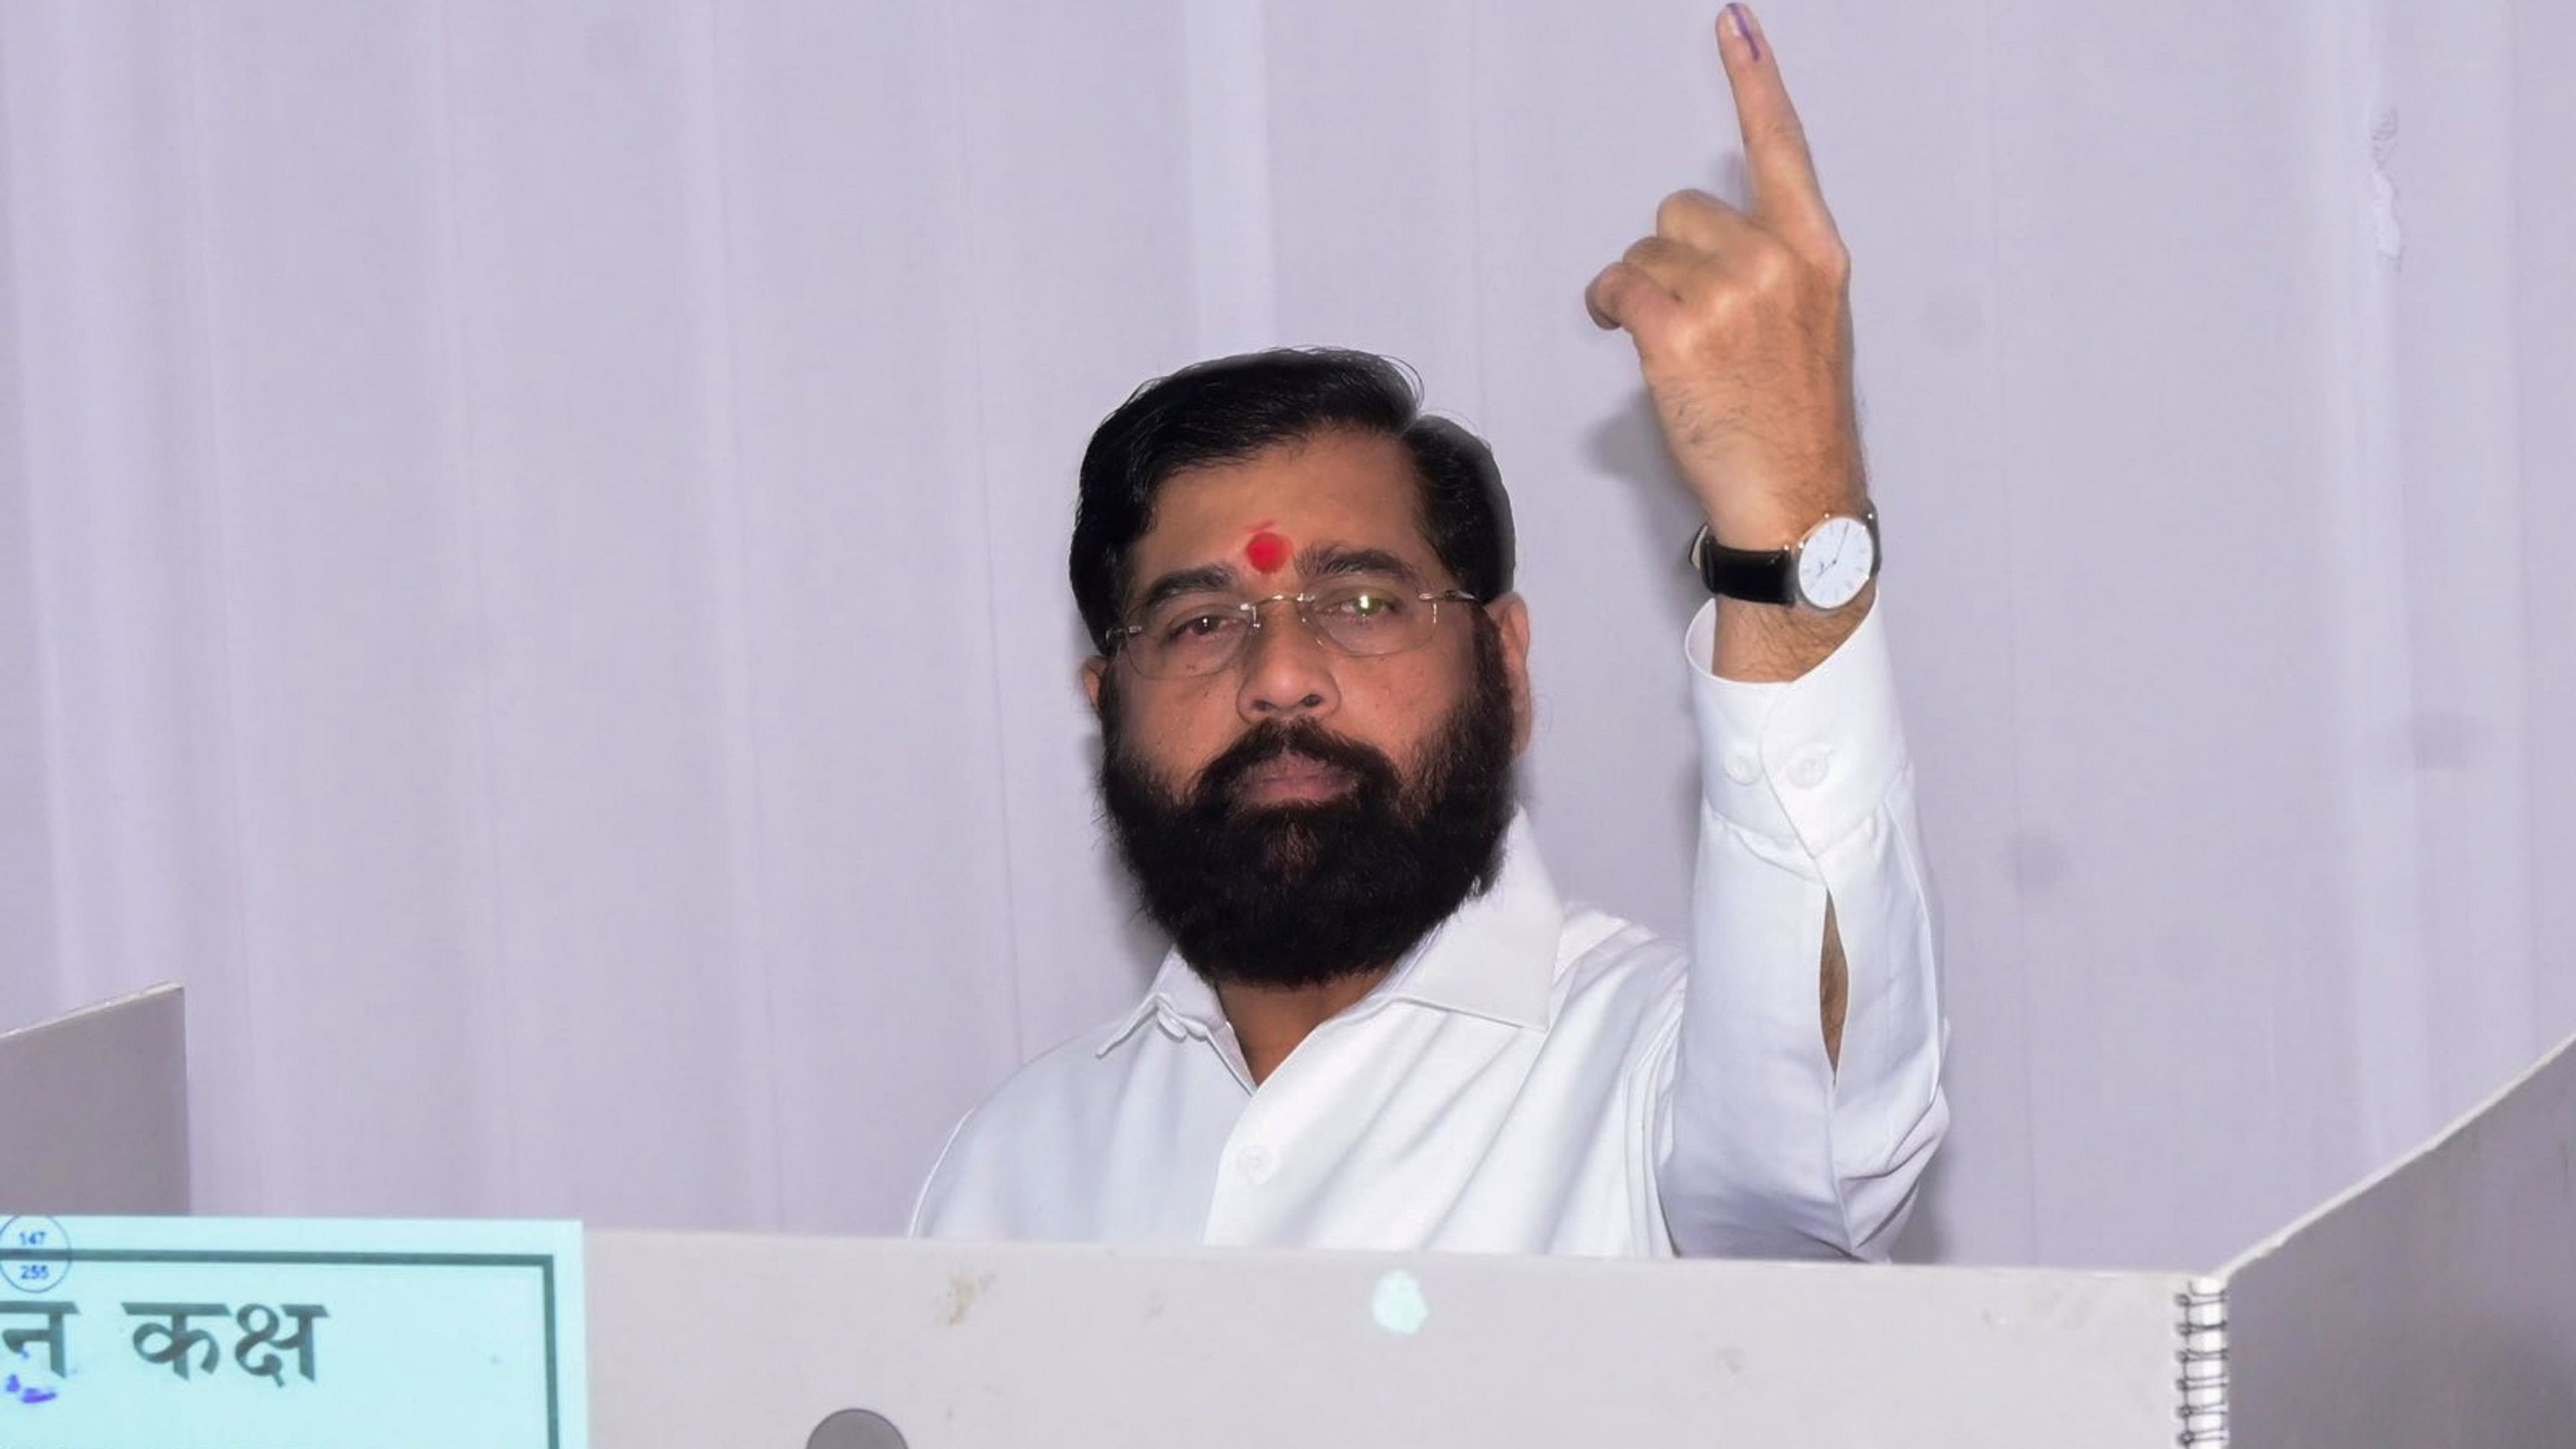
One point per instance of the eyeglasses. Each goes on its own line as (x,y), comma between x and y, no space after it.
(1191,636)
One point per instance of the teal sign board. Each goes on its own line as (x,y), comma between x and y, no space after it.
(287,1333)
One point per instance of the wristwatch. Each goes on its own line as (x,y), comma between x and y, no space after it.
(1825,570)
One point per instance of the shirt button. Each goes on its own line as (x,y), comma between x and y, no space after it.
(1743,766)
(1809,766)
(1256,1164)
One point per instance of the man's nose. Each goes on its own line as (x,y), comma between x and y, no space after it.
(1286,670)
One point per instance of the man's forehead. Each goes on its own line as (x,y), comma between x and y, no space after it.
(1339,491)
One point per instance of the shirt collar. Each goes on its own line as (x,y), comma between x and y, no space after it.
(1494,957)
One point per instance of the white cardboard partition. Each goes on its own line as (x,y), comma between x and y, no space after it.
(750,1342)
(2433,1305)
(94,1109)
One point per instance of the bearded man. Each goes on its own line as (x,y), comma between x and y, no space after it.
(1379,1026)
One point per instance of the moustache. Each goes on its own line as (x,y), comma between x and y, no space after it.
(1373,774)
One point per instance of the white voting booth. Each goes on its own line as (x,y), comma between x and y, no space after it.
(2434,1304)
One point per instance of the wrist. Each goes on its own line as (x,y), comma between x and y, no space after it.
(1789,502)
(1779,523)
(1771,643)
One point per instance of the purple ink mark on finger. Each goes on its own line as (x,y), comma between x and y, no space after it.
(1744,28)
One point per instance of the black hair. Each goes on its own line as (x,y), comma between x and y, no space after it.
(1231,408)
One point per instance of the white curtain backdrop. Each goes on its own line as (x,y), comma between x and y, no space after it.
(531,547)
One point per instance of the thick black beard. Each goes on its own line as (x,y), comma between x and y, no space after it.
(1307,893)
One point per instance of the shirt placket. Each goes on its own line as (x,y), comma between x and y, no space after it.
(1245,1206)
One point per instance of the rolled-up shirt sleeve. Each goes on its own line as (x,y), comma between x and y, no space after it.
(1768,1149)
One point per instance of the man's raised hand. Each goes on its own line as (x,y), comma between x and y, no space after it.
(1742,321)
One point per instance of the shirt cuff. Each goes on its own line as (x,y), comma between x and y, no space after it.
(1809,759)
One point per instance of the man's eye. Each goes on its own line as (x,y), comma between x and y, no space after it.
(1367,607)
(1199,626)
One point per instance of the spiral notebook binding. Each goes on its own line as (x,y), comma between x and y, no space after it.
(2203,1327)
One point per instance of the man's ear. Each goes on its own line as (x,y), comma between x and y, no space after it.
(1511,621)
(1094,669)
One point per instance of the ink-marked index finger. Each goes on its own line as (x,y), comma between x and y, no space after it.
(1783,174)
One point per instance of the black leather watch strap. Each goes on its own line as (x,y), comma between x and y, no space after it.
(1735,573)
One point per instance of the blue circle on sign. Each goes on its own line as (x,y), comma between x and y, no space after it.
(35,1254)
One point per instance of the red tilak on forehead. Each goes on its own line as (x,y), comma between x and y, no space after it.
(1268,552)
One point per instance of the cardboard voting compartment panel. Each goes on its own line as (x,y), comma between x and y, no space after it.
(94,1109)
(290,1333)
(752,1342)
(2434,1304)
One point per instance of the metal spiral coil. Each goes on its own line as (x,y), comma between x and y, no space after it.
(2203,1356)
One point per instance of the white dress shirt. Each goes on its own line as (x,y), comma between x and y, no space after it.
(1537,1076)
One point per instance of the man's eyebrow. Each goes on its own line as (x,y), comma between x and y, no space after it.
(1332,560)
(1214,578)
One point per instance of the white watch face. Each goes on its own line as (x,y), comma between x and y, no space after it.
(1835,562)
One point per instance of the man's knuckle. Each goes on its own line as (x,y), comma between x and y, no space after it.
(1767,264)
(1620,285)
(1832,260)
(1720,299)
